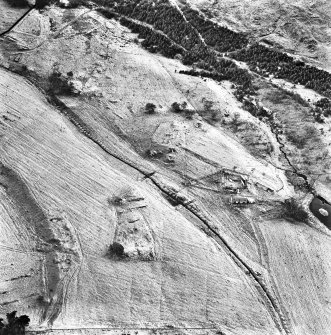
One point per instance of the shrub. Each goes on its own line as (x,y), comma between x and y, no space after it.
(294,210)
(189,114)
(207,104)
(60,84)
(183,105)
(176,107)
(116,249)
(215,116)
(150,108)
(117,201)
(236,122)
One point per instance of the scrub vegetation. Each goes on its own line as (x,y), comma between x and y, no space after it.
(15,325)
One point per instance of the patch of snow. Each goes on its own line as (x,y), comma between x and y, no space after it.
(323,212)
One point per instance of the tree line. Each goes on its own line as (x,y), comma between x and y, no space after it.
(268,62)
(153,41)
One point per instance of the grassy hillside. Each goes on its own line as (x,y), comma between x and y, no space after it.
(171,216)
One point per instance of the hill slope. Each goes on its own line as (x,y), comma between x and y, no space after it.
(178,218)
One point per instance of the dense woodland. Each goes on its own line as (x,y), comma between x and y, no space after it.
(266,61)
(153,40)
(220,38)
(199,41)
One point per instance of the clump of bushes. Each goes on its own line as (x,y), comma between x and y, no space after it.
(60,84)
(189,114)
(236,121)
(318,114)
(178,108)
(116,250)
(321,110)
(182,108)
(150,108)
(295,211)
(15,325)
(117,201)
(208,113)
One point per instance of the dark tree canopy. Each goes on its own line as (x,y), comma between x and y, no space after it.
(17,3)
(116,249)
(150,108)
(176,107)
(42,3)
(294,210)
(15,325)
